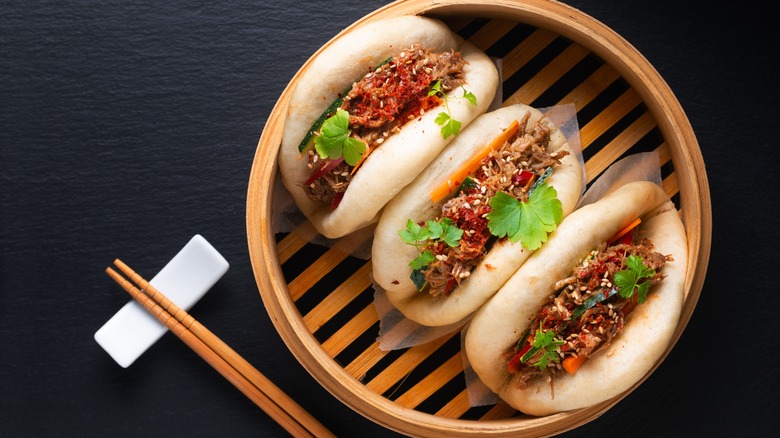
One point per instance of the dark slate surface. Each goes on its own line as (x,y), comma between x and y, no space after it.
(128,127)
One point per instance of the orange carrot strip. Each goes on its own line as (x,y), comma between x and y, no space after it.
(444,189)
(625,230)
(572,363)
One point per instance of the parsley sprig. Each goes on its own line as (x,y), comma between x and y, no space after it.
(334,140)
(417,235)
(449,126)
(546,342)
(529,222)
(630,280)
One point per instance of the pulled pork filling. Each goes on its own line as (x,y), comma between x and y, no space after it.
(512,168)
(585,313)
(381,103)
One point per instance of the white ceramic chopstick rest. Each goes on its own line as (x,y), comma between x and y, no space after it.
(184,280)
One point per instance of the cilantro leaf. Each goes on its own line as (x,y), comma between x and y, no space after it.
(442,118)
(450,234)
(413,233)
(468,95)
(434,229)
(643,288)
(505,218)
(529,222)
(449,126)
(628,280)
(625,280)
(422,260)
(435,89)
(334,140)
(420,236)
(546,342)
(353,150)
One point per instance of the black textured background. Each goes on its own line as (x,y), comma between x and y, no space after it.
(126,127)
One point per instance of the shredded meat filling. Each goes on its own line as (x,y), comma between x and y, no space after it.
(382,102)
(506,169)
(593,329)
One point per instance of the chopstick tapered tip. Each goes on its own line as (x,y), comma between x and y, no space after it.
(114,275)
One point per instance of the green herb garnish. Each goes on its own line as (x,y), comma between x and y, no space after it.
(545,341)
(449,126)
(417,235)
(629,279)
(334,140)
(531,221)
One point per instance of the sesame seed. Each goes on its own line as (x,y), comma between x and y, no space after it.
(380,140)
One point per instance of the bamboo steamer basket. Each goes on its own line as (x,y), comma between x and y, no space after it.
(551,54)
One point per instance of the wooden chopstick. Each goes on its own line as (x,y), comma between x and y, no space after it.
(258,388)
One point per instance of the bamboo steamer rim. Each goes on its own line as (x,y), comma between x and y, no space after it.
(567,22)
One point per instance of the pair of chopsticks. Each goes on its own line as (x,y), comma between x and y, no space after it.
(283,409)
